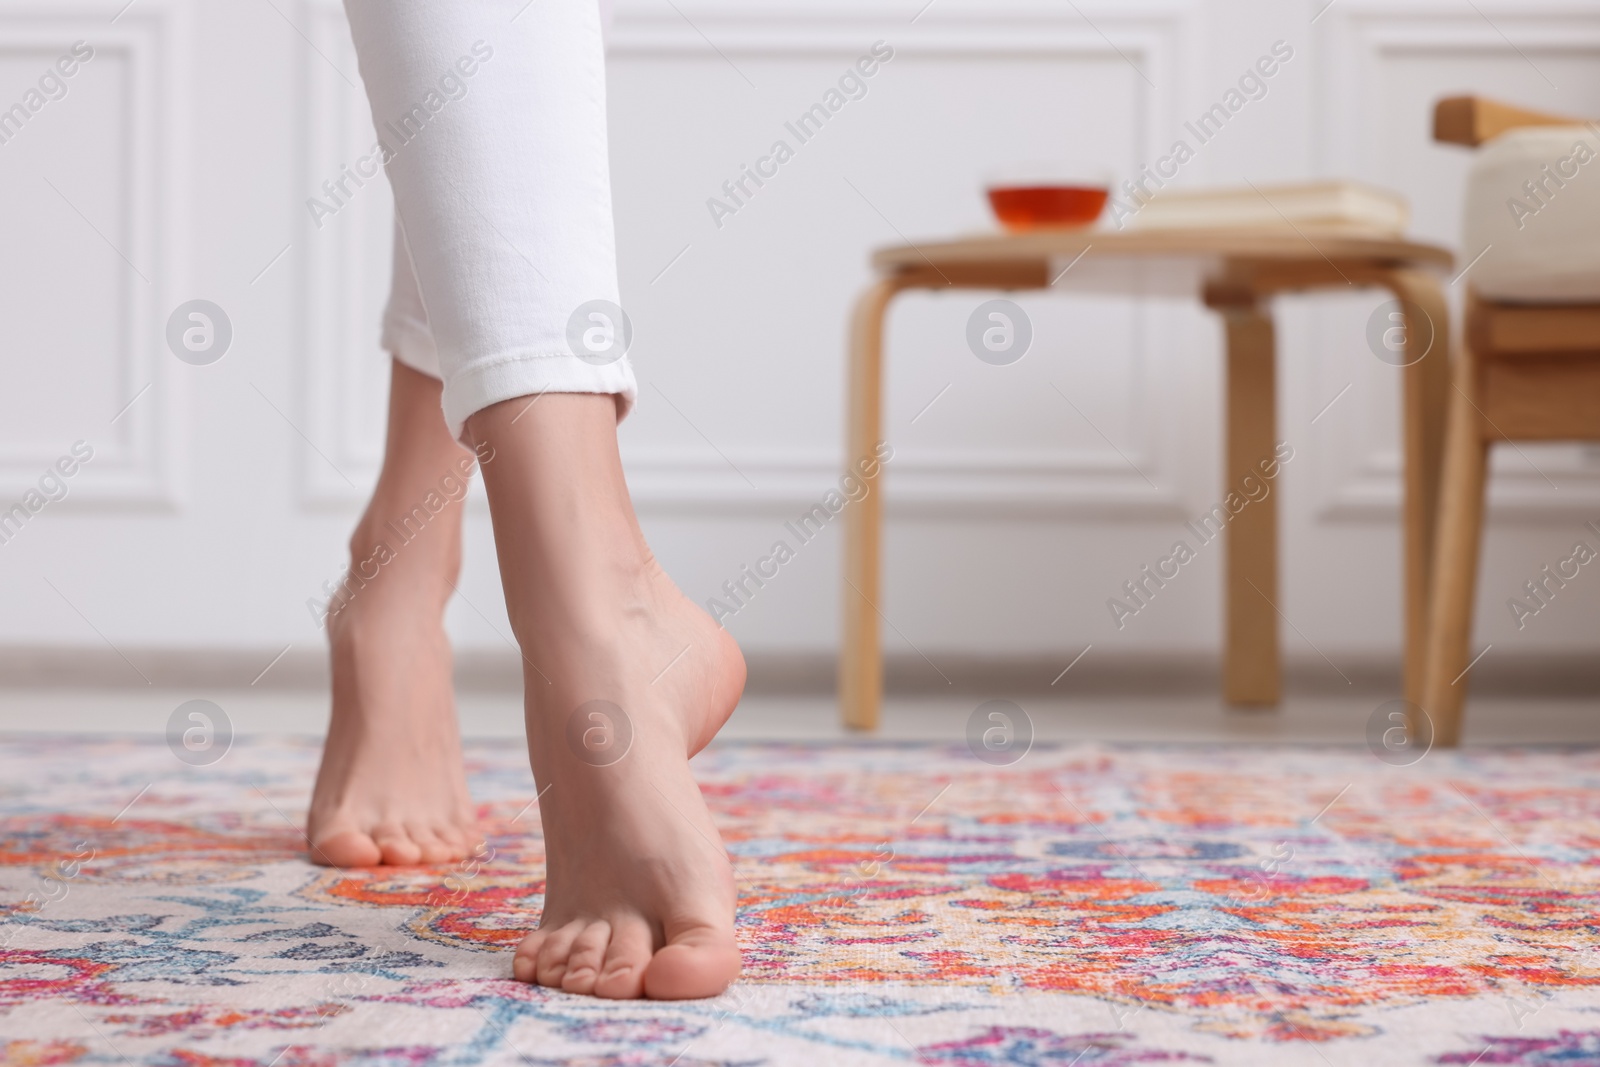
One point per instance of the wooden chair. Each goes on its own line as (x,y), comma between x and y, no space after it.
(1524,372)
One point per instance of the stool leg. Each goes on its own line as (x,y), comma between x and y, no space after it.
(1251,671)
(1425,402)
(1455,572)
(861,647)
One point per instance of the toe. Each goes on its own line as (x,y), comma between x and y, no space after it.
(346,848)
(696,962)
(458,843)
(397,847)
(588,953)
(622,974)
(525,964)
(430,849)
(555,952)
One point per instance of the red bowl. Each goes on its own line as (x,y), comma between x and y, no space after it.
(1034,207)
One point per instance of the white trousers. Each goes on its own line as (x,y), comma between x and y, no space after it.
(491,117)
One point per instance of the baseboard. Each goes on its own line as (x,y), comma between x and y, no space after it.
(1564,674)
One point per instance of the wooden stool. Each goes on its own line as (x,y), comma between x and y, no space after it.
(1236,272)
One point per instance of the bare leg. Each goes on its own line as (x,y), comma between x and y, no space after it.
(391,788)
(640,897)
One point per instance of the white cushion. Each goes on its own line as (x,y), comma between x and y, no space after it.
(1544,243)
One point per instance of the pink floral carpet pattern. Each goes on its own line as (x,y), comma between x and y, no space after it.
(899,904)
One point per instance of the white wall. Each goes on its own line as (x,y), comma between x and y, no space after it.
(178,164)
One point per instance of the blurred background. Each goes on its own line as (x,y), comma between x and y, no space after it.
(189,553)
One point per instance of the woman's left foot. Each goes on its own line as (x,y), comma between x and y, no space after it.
(625,680)
(639,897)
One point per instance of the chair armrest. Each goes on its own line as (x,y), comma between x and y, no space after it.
(1472,120)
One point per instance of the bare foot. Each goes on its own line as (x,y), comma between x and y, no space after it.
(639,896)
(639,893)
(391,788)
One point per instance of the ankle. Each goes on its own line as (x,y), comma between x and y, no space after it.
(375,553)
(588,608)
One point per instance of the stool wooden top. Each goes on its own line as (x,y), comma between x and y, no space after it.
(1156,261)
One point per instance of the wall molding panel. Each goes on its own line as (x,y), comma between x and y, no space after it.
(342,376)
(136,440)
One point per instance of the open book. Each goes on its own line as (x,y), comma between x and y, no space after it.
(1338,205)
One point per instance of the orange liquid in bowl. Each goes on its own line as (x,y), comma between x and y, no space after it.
(1032,207)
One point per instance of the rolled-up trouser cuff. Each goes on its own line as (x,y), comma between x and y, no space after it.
(492,130)
(484,382)
(411,343)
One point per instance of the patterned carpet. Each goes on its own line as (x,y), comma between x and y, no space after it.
(900,904)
